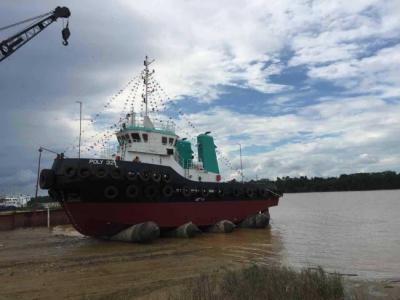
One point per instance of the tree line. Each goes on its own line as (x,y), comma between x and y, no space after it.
(352,182)
(39,201)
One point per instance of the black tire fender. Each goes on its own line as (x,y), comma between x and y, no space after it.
(167,191)
(111,192)
(131,176)
(100,172)
(250,193)
(186,192)
(132,191)
(236,192)
(166,178)
(116,173)
(70,172)
(151,191)
(156,177)
(144,176)
(84,172)
(47,179)
(204,192)
(263,192)
(219,192)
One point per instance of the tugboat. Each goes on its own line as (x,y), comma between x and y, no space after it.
(152,177)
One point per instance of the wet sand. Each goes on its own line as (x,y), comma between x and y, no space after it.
(41,264)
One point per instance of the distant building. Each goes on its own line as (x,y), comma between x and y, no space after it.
(14,201)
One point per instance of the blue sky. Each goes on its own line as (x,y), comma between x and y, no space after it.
(307,87)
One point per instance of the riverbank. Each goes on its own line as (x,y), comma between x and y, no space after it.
(36,263)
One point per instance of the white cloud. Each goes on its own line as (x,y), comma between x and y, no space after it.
(201,47)
(377,74)
(327,138)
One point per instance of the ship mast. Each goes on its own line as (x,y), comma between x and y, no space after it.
(146,76)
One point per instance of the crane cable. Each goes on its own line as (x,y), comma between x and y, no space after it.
(25,21)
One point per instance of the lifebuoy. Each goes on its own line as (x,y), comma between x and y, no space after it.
(84,172)
(166,178)
(150,191)
(46,179)
(132,191)
(156,177)
(116,173)
(111,192)
(70,172)
(186,192)
(144,176)
(131,176)
(167,191)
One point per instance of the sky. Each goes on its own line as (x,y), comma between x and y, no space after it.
(308,88)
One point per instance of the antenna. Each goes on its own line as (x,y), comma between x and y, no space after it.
(146,76)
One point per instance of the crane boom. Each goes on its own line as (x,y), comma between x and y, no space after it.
(13,43)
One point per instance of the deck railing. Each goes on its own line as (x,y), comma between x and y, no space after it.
(158,124)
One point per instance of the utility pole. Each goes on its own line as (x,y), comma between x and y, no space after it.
(38,172)
(241,162)
(80,128)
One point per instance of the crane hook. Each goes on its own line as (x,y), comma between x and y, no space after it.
(65,34)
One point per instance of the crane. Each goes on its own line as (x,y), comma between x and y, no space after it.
(11,44)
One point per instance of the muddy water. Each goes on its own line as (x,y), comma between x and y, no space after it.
(353,233)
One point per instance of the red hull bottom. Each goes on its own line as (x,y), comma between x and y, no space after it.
(104,219)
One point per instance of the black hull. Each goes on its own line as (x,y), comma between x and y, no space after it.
(111,181)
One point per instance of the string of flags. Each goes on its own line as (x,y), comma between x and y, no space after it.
(158,101)
(222,158)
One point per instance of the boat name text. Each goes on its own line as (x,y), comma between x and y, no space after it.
(101,161)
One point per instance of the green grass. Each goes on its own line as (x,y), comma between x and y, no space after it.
(257,282)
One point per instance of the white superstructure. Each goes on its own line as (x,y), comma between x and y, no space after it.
(142,140)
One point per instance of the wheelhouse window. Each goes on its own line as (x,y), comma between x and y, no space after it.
(145,137)
(135,137)
(164,140)
(171,141)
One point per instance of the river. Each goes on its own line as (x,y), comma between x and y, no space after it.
(350,232)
